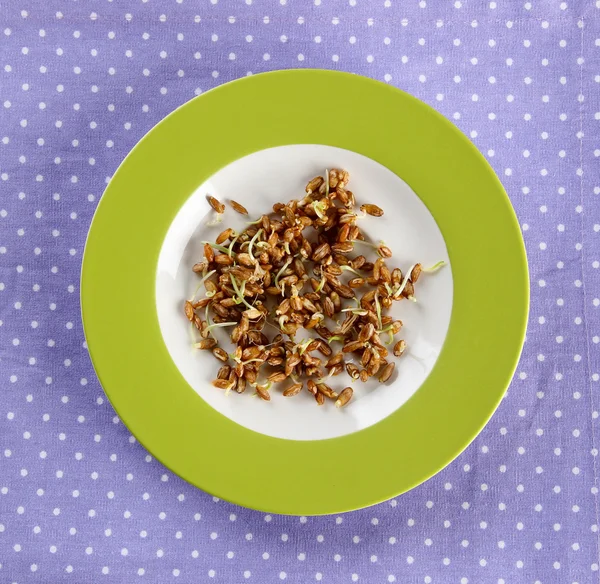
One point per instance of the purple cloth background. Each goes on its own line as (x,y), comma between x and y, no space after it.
(81,82)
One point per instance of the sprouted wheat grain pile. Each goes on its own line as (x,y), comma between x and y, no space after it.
(280,278)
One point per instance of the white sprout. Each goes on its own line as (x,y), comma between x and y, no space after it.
(220,324)
(256,235)
(230,248)
(351,269)
(388,330)
(238,291)
(207,319)
(319,208)
(321,284)
(324,379)
(283,269)
(404,282)
(217,246)
(303,345)
(251,361)
(367,243)
(204,278)
(378,309)
(254,222)
(435,267)
(359,311)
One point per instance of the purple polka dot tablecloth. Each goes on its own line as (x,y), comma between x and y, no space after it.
(82,81)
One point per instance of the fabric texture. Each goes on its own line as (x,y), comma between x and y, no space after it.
(80,84)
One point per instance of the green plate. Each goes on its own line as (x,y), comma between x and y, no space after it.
(489,310)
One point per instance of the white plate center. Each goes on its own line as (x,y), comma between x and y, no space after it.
(279,174)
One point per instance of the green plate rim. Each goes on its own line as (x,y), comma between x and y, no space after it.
(489,314)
